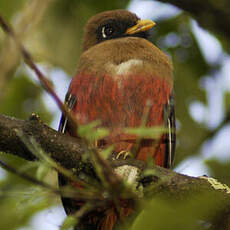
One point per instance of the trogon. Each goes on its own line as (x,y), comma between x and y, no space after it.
(121,75)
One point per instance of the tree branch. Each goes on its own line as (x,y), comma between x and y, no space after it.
(62,148)
(67,151)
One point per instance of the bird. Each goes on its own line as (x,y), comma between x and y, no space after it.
(121,75)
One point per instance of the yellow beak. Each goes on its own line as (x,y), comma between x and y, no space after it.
(141,26)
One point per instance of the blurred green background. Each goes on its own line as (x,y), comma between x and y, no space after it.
(52,31)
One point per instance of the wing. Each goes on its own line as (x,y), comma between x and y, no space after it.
(169,116)
(70,102)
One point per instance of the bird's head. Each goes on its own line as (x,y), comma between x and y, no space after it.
(114,24)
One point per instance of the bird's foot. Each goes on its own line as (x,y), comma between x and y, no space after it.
(123,154)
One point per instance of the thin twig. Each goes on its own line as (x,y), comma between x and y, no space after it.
(36,149)
(43,80)
(28,177)
(64,192)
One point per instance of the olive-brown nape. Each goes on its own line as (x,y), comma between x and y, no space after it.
(90,37)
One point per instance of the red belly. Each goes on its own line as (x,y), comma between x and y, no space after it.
(118,103)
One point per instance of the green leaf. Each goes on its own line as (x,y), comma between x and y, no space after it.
(146,132)
(69,222)
(105,153)
(42,171)
(168,214)
(92,132)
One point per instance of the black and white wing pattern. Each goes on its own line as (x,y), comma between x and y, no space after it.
(169,117)
(70,102)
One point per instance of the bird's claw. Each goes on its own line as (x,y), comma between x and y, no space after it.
(123,154)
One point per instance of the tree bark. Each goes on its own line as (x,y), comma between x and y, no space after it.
(62,148)
(67,151)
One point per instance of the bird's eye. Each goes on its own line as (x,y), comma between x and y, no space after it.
(107,31)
